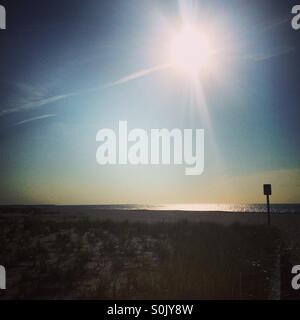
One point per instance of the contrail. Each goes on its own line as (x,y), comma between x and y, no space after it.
(137,75)
(35,104)
(46,116)
(266,56)
(279,21)
(42,102)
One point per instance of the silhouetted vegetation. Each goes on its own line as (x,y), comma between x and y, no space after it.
(111,260)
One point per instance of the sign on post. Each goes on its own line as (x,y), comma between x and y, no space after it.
(267,190)
(268,193)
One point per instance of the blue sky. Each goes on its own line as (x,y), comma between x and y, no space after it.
(69,69)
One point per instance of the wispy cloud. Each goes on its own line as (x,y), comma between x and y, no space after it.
(269,55)
(49,100)
(45,116)
(35,104)
(139,74)
(276,23)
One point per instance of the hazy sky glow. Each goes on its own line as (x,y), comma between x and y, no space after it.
(70,68)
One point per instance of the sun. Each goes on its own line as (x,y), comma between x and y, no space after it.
(190,50)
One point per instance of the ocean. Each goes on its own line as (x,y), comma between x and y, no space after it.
(275,208)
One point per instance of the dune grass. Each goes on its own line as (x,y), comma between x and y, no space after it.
(110,260)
